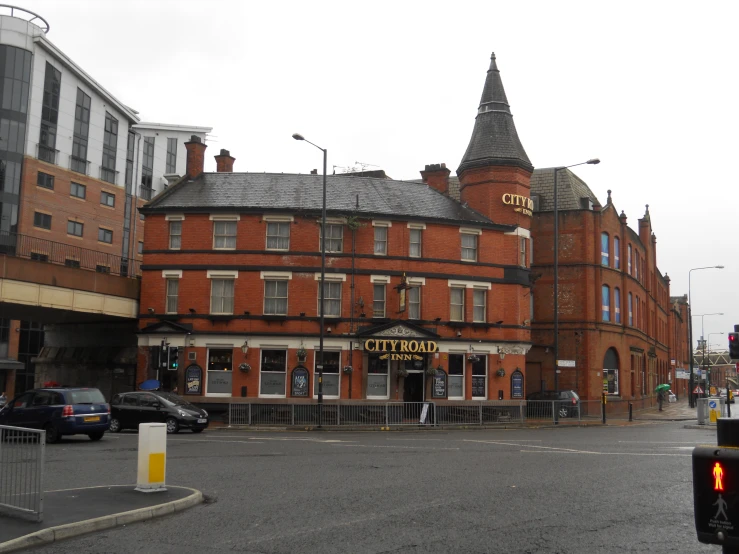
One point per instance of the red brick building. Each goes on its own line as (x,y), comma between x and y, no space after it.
(614,303)
(679,346)
(419,286)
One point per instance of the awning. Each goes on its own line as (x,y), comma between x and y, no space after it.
(7,363)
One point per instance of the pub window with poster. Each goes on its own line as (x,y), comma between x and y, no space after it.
(377,376)
(273,371)
(331,374)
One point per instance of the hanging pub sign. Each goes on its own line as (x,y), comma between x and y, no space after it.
(401,288)
(193,380)
(299,382)
(401,349)
(517,384)
(438,384)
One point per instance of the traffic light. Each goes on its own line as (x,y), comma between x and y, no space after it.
(164,355)
(174,355)
(716,494)
(734,346)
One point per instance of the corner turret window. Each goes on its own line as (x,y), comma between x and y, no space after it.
(616,253)
(606,303)
(617,305)
(604,249)
(628,261)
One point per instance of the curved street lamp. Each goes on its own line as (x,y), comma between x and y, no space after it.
(691,396)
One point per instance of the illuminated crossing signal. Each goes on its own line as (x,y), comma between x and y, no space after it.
(174,355)
(734,346)
(718,477)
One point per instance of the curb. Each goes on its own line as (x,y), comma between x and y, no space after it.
(53,534)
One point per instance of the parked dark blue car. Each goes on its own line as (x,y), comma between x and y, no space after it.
(60,411)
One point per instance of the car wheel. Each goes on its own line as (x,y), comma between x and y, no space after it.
(197,430)
(52,434)
(115,425)
(96,436)
(172,426)
(563,412)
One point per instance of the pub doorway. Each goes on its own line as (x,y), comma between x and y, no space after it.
(413,387)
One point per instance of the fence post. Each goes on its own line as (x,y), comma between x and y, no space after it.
(338,415)
(249,406)
(292,415)
(230,410)
(631,418)
(480,409)
(387,420)
(603,406)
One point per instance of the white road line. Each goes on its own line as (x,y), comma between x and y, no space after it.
(393,446)
(215,440)
(658,442)
(554,448)
(604,453)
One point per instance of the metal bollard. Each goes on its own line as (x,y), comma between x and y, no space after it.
(152,463)
(631,418)
(603,406)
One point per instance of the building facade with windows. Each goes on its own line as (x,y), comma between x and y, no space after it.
(425,295)
(616,322)
(75,164)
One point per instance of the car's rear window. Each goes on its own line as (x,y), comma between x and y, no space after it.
(88,396)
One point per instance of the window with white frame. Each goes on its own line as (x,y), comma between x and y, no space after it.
(414,249)
(479,305)
(606,303)
(173,288)
(334,237)
(220,372)
(616,252)
(224,235)
(378,300)
(456,304)
(628,261)
(456,377)
(278,235)
(631,310)
(604,249)
(378,375)
(480,377)
(222,296)
(275,297)
(522,245)
(331,374)
(617,305)
(414,302)
(331,298)
(381,240)
(175,235)
(469,247)
(273,372)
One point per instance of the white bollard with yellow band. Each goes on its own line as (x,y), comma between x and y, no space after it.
(152,457)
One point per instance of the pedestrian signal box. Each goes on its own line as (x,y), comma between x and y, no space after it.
(716,494)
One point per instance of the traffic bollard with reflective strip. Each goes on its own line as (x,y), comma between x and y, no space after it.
(152,457)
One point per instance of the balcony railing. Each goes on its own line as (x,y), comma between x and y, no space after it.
(47,153)
(79,165)
(42,250)
(109,175)
(146,192)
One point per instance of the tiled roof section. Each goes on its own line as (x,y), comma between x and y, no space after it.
(363,196)
(494,139)
(570,190)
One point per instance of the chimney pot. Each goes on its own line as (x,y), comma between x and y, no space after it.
(314,172)
(195,156)
(437,177)
(224,162)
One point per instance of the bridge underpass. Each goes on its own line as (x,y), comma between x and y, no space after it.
(67,325)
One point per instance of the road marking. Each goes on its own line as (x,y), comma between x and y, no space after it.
(548,448)
(215,440)
(604,453)
(394,446)
(658,442)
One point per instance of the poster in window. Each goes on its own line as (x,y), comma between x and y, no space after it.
(299,382)
(517,384)
(193,380)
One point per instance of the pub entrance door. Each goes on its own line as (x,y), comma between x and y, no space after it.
(413,387)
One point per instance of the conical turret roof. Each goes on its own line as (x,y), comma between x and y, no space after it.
(494,139)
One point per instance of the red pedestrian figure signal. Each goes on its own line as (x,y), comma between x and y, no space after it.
(718,477)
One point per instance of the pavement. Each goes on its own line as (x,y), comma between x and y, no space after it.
(72,512)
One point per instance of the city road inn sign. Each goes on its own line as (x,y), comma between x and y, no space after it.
(401,349)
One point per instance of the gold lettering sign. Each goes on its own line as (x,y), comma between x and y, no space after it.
(523,204)
(410,348)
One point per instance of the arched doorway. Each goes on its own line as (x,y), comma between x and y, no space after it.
(610,372)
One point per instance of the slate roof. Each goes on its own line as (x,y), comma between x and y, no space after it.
(570,189)
(494,139)
(281,192)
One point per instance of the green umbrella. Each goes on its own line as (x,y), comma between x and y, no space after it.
(662,387)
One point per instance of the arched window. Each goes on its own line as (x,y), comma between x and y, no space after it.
(631,310)
(629,261)
(636,265)
(606,303)
(610,372)
(616,253)
(604,249)
(617,305)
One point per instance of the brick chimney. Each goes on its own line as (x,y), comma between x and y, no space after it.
(195,156)
(437,177)
(224,162)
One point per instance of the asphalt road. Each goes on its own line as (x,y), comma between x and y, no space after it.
(568,490)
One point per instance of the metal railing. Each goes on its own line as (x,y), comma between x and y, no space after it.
(394,414)
(80,165)
(22,453)
(32,248)
(146,193)
(47,153)
(109,175)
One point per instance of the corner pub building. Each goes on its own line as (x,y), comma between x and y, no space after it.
(419,287)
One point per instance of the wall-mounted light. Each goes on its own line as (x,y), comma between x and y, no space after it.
(459,333)
(328,329)
(151,310)
(437,320)
(192,341)
(192,310)
(245,347)
(501,354)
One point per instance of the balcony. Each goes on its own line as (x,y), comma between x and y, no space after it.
(109,175)
(42,250)
(146,193)
(47,154)
(79,165)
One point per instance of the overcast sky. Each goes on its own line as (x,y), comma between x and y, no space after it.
(648,87)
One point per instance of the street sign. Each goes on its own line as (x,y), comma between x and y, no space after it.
(566,363)
(698,390)
(715,495)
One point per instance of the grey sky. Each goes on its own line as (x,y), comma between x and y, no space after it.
(648,87)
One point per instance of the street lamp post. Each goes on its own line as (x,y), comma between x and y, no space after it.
(592,161)
(691,396)
(319,365)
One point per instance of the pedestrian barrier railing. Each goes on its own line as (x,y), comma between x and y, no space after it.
(22,454)
(394,414)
